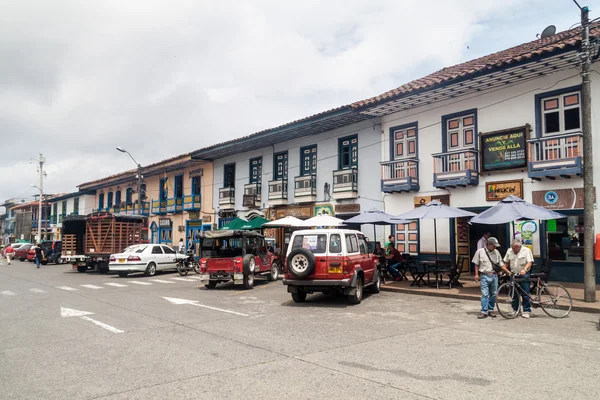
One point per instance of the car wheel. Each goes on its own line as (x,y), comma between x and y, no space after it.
(123,274)
(248,281)
(211,284)
(376,287)
(248,264)
(301,263)
(151,269)
(299,297)
(358,292)
(274,275)
(44,262)
(81,268)
(21,259)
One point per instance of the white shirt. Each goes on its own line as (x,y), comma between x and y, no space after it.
(481,260)
(518,261)
(481,243)
(181,246)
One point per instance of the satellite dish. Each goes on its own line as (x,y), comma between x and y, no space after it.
(549,31)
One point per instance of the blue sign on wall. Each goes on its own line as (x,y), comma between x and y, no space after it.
(551,197)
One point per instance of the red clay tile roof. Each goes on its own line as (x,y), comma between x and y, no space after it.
(523,52)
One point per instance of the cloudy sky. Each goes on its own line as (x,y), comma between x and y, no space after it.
(161,78)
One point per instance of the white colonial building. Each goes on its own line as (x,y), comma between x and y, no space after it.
(61,206)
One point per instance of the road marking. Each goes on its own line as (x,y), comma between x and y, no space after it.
(8,293)
(140,283)
(116,284)
(160,281)
(69,312)
(195,303)
(66,288)
(195,277)
(92,286)
(183,279)
(36,290)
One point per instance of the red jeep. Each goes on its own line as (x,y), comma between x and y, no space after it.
(326,260)
(236,256)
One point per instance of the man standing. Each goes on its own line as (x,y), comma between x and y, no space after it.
(481,244)
(10,253)
(520,259)
(487,260)
(39,254)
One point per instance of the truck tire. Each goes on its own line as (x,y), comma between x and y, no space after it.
(301,263)
(248,281)
(376,287)
(81,268)
(102,268)
(248,264)
(211,284)
(150,269)
(358,292)
(299,297)
(274,275)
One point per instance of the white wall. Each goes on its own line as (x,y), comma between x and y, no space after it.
(492,115)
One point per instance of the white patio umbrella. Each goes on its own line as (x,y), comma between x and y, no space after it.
(283,222)
(434,210)
(322,220)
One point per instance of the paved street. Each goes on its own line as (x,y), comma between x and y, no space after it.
(66,335)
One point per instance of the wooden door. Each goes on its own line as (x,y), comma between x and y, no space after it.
(462,241)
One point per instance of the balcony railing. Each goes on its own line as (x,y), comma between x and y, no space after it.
(305,188)
(345,184)
(175,205)
(227,198)
(400,176)
(278,192)
(159,207)
(252,195)
(456,168)
(558,155)
(45,224)
(192,202)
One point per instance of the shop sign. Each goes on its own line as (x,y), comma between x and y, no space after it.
(347,208)
(422,200)
(496,191)
(297,212)
(505,149)
(194,214)
(165,223)
(324,209)
(560,199)
(196,172)
(524,230)
(207,218)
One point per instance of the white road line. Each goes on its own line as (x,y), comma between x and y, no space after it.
(183,279)
(195,277)
(68,288)
(8,293)
(36,290)
(160,281)
(92,286)
(140,283)
(195,303)
(116,284)
(102,325)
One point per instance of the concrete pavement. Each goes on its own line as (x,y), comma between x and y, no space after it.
(258,344)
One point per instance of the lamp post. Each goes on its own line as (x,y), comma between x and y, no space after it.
(42,173)
(139,179)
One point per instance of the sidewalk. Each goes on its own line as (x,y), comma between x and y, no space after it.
(470,291)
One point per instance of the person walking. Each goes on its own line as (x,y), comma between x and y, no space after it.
(9,252)
(520,260)
(181,247)
(481,244)
(39,254)
(488,262)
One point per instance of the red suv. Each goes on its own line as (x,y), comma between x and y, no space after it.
(326,260)
(236,256)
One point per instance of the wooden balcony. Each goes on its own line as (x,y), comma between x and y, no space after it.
(345,184)
(175,205)
(227,198)
(305,189)
(556,156)
(278,192)
(252,195)
(400,176)
(159,207)
(192,202)
(456,168)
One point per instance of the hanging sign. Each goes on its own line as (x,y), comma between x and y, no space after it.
(165,223)
(504,149)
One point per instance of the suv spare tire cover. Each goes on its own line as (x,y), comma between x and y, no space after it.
(311,263)
(246,264)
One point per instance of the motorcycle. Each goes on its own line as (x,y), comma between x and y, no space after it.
(187,264)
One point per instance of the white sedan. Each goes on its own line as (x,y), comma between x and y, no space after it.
(146,258)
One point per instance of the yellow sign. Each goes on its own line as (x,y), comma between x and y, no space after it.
(496,191)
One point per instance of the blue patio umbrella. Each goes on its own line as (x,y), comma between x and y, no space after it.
(374,217)
(514,208)
(434,210)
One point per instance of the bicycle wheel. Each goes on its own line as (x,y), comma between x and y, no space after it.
(555,300)
(504,301)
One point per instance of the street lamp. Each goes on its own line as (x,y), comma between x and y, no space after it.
(139,179)
(42,173)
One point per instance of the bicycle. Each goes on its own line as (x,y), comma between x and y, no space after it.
(554,299)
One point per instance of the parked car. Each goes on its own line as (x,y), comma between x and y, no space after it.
(15,246)
(21,252)
(327,260)
(146,258)
(236,256)
(51,250)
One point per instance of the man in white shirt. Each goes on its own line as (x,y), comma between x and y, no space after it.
(483,241)
(520,260)
(485,260)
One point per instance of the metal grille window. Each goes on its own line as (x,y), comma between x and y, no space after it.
(348,152)
(256,170)
(308,157)
(229,175)
(561,114)
(280,166)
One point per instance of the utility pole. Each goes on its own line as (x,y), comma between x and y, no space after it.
(140,180)
(42,160)
(589,273)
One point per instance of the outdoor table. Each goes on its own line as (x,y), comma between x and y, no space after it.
(419,273)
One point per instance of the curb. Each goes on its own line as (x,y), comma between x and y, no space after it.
(584,309)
